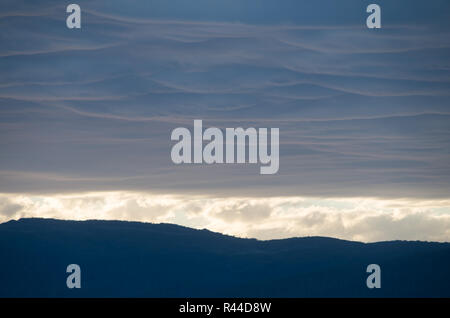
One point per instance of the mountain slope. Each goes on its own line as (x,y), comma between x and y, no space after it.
(130,259)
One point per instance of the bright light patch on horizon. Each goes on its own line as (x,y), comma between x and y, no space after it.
(361,219)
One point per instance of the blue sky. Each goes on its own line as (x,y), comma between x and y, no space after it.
(362,113)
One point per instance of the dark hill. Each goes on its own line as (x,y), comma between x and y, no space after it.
(130,259)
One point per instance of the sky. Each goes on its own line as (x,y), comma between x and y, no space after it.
(364,115)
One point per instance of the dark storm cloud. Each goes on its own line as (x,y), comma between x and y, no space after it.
(360,112)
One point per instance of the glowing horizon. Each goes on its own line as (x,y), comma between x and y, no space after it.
(359,219)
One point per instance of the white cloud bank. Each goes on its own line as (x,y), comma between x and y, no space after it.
(362,219)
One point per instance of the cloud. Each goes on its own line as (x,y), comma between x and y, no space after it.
(362,219)
(8,209)
(360,113)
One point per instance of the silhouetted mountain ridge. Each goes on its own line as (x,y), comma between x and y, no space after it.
(132,259)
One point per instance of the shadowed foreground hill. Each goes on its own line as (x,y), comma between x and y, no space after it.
(129,259)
